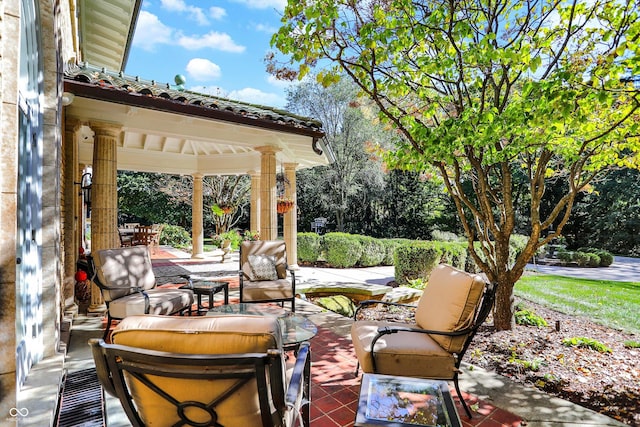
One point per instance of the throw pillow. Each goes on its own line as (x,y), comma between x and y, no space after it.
(263,267)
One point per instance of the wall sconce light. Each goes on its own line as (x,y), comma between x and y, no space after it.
(85,186)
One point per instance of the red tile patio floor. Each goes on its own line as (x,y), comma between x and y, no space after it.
(335,389)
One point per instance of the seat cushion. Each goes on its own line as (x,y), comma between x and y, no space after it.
(161,301)
(124,268)
(267,290)
(449,303)
(227,334)
(403,353)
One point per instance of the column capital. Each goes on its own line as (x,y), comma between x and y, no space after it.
(197,175)
(268,149)
(290,166)
(106,129)
(72,125)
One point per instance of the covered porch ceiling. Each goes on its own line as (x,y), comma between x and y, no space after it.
(168,130)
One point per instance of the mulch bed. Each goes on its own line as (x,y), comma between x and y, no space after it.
(608,383)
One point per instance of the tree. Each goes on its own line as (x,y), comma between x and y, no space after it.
(228,199)
(482,91)
(349,180)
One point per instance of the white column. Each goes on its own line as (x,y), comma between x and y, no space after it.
(197,227)
(104,197)
(254,215)
(268,216)
(290,227)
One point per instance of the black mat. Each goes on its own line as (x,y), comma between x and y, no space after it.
(81,400)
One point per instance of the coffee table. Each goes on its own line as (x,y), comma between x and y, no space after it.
(208,288)
(295,327)
(395,401)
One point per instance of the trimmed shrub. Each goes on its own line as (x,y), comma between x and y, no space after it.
(416,260)
(594,260)
(582,258)
(454,254)
(390,246)
(174,235)
(373,251)
(342,250)
(309,247)
(606,258)
(565,256)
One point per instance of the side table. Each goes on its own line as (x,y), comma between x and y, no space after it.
(208,288)
(395,401)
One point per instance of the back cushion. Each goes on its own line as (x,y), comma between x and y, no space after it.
(227,334)
(276,248)
(449,303)
(124,268)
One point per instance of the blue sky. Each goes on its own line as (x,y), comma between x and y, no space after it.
(219,46)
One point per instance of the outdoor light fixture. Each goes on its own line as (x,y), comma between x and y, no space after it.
(85,186)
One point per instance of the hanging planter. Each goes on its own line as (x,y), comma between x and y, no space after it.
(284,205)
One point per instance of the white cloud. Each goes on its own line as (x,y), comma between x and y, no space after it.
(212,40)
(280,84)
(150,31)
(202,69)
(256,96)
(266,28)
(194,13)
(263,4)
(217,13)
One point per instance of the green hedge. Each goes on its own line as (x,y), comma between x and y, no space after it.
(416,260)
(309,247)
(174,235)
(341,250)
(373,251)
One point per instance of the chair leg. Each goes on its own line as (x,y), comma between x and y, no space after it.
(464,404)
(107,328)
(355,374)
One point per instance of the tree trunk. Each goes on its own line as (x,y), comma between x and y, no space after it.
(503,319)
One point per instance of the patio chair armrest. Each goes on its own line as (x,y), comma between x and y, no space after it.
(366,303)
(297,395)
(386,330)
(102,369)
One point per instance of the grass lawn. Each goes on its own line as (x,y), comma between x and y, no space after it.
(613,304)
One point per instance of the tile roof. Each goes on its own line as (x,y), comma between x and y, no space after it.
(262,115)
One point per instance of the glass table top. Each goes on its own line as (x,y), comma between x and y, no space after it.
(296,328)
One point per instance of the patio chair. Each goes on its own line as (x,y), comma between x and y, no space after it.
(128,286)
(263,273)
(451,309)
(204,371)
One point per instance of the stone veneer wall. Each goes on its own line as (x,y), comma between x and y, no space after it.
(9,62)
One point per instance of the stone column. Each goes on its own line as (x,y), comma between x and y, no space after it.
(104,197)
(71,205)
(254,214)
(268,214)
(290,221)
(197,229)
